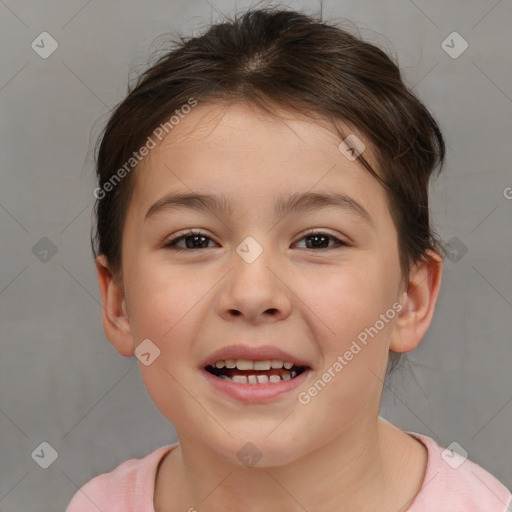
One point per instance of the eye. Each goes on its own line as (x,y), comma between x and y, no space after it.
(317,240)
(193,240)
(197,240)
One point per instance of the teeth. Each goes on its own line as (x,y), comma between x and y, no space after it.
(258,379)
(245,364)
(262,365)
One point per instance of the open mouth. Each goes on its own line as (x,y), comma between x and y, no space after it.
(244,371)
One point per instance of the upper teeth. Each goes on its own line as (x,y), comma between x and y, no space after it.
(246,364)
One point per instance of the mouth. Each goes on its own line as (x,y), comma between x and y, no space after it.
(254,374)
(245,371)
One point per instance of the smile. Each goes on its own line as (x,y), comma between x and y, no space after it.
(247,381)
(245,371)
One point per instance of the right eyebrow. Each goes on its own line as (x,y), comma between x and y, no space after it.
(191,201)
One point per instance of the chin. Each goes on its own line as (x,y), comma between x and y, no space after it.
(259,451)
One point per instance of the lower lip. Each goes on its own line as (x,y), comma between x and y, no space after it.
(255,392)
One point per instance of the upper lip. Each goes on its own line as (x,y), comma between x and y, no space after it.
(252,353)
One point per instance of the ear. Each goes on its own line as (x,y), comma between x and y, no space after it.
(116,323)
(418,304)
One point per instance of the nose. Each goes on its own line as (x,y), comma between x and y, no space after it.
(255,291)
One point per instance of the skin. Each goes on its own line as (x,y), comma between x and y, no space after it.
(334,453)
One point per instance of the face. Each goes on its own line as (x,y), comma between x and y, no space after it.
(307,281)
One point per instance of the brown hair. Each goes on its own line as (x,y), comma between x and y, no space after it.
(268,58)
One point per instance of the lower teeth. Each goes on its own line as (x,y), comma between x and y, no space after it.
(258,379)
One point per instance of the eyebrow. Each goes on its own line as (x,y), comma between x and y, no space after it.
(293,203)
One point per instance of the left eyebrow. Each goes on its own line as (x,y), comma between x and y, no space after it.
(298,203)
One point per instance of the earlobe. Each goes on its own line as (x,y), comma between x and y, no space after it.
(418,304)
(116,323)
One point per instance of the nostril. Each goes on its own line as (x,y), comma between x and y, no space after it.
(271,311)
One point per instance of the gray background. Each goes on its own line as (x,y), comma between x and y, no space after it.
(60,379)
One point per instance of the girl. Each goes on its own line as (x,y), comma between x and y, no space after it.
(264,249)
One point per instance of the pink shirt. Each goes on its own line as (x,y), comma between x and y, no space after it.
(447,487)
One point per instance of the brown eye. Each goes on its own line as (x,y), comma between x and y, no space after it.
(192,240)
(320,240)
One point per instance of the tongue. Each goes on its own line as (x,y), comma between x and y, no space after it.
(230,372)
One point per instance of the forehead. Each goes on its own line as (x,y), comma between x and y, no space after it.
(252,157)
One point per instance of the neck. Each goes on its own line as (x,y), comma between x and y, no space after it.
(350,472)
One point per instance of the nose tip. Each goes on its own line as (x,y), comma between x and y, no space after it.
(253,292)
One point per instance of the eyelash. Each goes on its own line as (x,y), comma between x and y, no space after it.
(171,243)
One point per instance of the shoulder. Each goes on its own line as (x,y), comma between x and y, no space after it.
(131,484)
(456,484)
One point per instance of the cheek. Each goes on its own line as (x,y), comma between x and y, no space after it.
(353,338)
(354,347)
(348,299)
(164,302)
(166,305)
